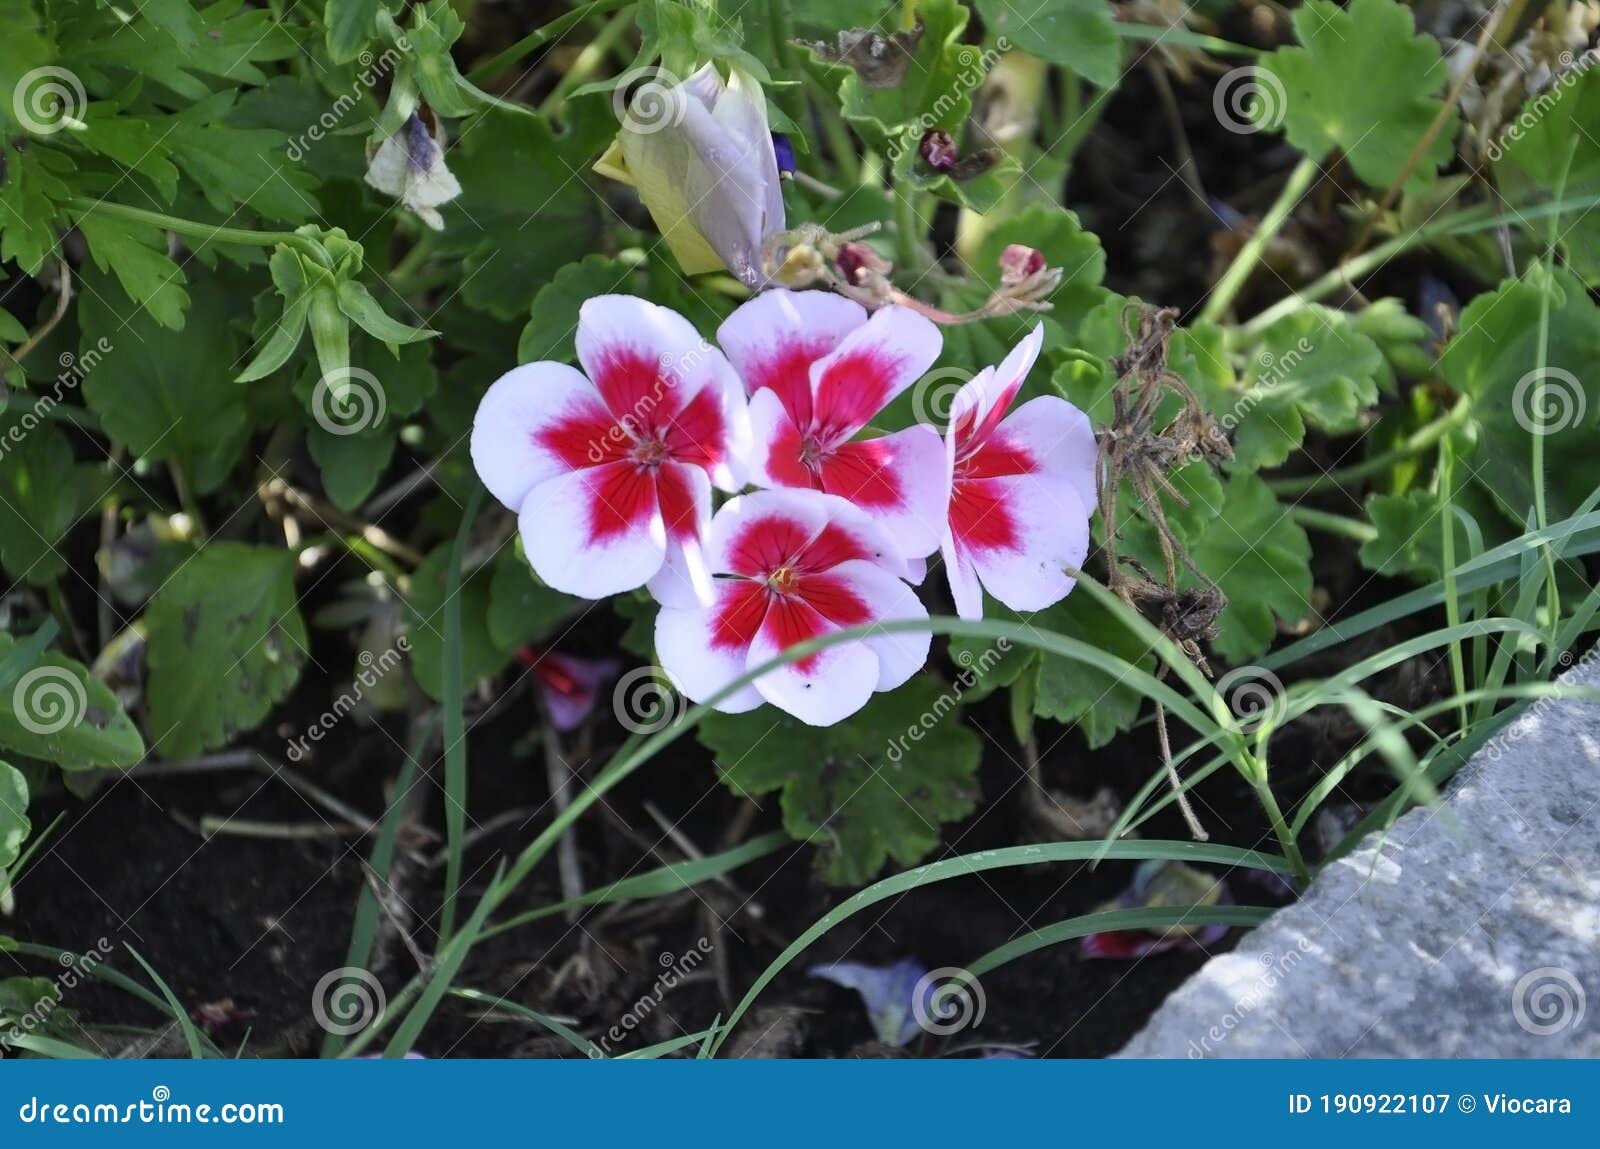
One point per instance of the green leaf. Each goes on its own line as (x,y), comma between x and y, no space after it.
(43,494)
(1559,149)
(289,282)
(938,84)
(134,143)
(550,331)
(226,641)
(30,197)
(350,25)
(350,465)
(522,609)
(368,314)
(1077,34)
(1085,696)
(26,45)
(1410,535)
(1495,360)
(1312,367)
(1261,559)
(1362,82)
(238,168)
(168,396)
(873,787)
(137,254)
(57,712)
(14,824)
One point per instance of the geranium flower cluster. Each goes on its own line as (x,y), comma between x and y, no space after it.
(610,470)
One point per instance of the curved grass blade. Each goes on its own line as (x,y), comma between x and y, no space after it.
(1109,921)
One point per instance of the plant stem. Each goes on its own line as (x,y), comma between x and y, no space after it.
(1417,442)
(907,238)
(1286,840)
(1222,295)
(908,14)
(455,735)
(589,59)
(538,38)
(1447,558)
(193,229)
(1334,524)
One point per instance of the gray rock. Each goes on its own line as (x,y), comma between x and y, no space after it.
(1470,930)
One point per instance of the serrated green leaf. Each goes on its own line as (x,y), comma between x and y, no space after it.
(1075,694)
(43,493)
(1077,34)
(866,790)
(137,255)
(350,465)
(551,330)
(1261,559)
(1495,358)
(1312,367)
(1410,535)
(238,168)
(225,644)
(30,199)
(57,712)
(1363,82)
(167,396)
(133,142)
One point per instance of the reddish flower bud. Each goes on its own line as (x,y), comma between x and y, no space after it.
(1018,263)
(938,151)
(858,263)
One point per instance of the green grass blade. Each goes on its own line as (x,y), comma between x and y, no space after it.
(969,864)
(455,737)
(1106,921)
(191,1035)
(560,1028)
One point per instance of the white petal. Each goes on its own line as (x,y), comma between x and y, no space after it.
(872,365)
(523,402)
(694,665)
(965,590)
(557,524)
(1061,440)
(820,690)
(779,326)
(1053,533)
(901,653)
(769,425)
(983,401)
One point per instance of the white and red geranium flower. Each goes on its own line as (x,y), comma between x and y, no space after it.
(1022,488)
(793,566)
(818,371)
(610,469)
